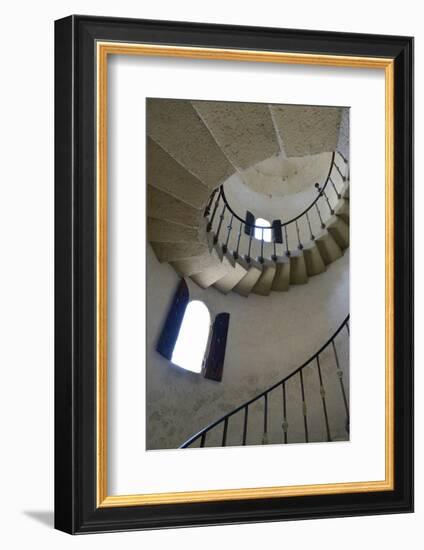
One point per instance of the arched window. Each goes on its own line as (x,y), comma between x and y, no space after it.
(192,340)
(266,232)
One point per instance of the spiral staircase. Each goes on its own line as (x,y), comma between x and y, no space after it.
(193,148)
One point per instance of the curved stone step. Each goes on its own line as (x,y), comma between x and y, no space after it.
(161,205)
(244,287)
(163,231)
(298,272)
(343,211)
(233,277)
(328,248)
(339,231)
(222,265)
(307,130)
(176,126)
(281,280)
(168,252)
(244,131)
(166,174)
(264,283)
(313,259)
(191,266)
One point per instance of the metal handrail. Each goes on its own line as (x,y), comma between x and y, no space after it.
(321,190)
(246,404)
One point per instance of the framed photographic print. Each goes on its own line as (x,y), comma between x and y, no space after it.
(234,269)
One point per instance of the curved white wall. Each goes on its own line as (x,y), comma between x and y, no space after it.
(268,338)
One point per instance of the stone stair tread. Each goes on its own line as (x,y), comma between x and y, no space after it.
(329,250)
(298,272)
(161,205)
(233,277)
(246,284)
(264,284)
(176,126)
(339,231)
(166,174)
(169,252)
(313,259)
(165,231)
(281,280)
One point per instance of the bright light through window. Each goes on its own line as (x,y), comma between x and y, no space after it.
(266,232)
(192,340)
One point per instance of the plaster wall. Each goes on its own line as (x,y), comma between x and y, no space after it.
(268,338)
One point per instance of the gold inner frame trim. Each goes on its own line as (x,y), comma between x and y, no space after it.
(104,49)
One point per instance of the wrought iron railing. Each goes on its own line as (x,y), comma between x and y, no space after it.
(314,362)
(286,236)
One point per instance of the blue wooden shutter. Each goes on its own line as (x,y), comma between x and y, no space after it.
(250,219)
(277,233)
(214,364)
(172,325)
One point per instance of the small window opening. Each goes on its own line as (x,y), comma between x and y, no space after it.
(266,232)
(190,347)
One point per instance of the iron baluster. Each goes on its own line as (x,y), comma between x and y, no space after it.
(224,433)
(221,219)
(342,388)
(250,248)
(261,259)
(347,328)
(339,171)
(287,241)
(323,193)
(310,228)
(265,436)
(304,408)
(319,215)
(335,189)
(285,424)
(236,255)
(246,412)
(343,157)
(215,208)
(229,227)
(209,205)
(300,245)
(203,439)
(324,404)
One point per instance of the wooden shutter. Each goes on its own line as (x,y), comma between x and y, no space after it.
(277,231)
(250,219)
(214,363)
(172,325)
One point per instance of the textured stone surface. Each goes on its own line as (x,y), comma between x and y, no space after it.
(280,177)
(167,232)
(339,230)
(343,141)
(244,131)
(221,266)
(313,260)
(307,130)
(244,287)
(281,280)
(168,252)
(298,273)
(234,276)
(264,283)
(194,265)
(165,173)
(164,206)
(175,125)
(329,250)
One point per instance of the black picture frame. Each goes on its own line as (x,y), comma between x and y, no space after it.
(76,509)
